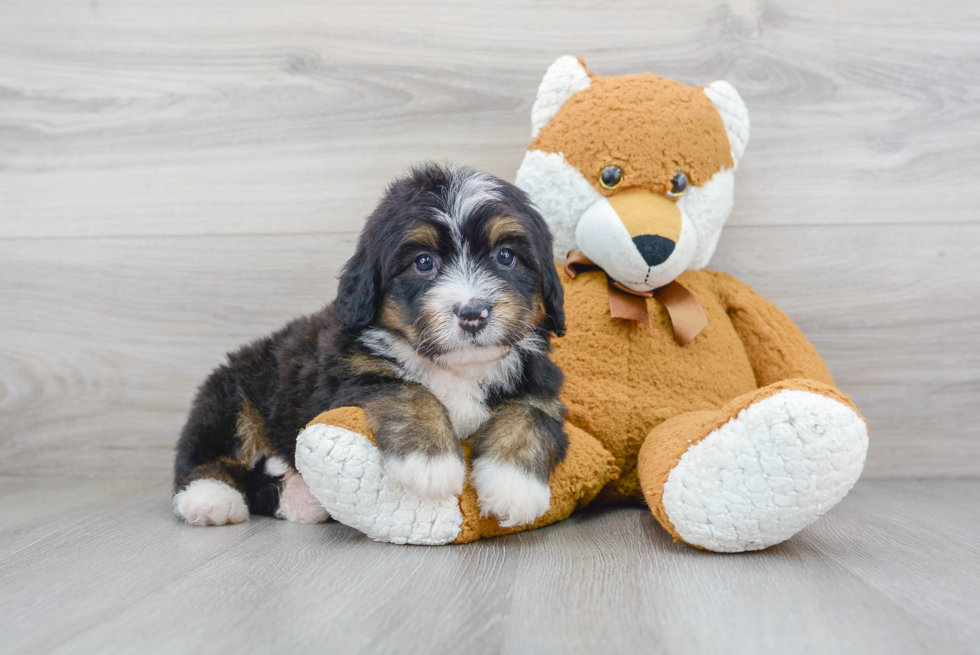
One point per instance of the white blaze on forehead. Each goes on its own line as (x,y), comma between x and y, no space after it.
(466,192)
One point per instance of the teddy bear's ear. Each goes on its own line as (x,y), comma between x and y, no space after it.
(566,77)
(734,115)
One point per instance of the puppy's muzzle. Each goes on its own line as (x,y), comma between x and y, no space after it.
(473,316)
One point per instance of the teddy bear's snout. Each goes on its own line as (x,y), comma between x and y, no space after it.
(638,237)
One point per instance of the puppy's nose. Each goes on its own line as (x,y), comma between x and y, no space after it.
(653,248)
(473,316)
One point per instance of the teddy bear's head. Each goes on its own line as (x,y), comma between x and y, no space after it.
(636,172)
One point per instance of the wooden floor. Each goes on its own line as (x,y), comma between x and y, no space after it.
(102,566)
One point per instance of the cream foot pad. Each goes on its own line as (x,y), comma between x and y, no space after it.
(767,473)
(345,472)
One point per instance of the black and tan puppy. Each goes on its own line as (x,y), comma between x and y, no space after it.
(440,332)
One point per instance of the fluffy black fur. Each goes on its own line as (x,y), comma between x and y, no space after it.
(317,362)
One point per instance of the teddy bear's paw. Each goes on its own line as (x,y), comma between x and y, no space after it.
(432,478)
(767,473)
(508,493)
(345,472)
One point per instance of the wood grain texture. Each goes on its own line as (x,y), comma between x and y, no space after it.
(103,566)
(137,117)
(179,177)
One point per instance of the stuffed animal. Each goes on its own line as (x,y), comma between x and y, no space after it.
(685,388)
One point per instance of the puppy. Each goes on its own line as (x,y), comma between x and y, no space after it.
(440,332)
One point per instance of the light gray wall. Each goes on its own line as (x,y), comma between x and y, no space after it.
(179,177)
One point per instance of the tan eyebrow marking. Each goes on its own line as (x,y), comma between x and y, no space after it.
(424,235)
(501,228)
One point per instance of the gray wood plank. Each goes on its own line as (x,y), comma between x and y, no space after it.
(129,117)
(103,341)
(126,577)
(32,510)
(930,532)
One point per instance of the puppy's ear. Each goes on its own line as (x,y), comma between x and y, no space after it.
(553,296)
(552,293)
(359,292)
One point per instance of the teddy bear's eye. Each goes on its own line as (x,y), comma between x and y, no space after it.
(678,185)
(610,177)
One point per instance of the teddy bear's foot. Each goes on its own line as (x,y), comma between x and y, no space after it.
(765,474)
(345,472)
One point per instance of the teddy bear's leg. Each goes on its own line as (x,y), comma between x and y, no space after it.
(756,471)
(342,465)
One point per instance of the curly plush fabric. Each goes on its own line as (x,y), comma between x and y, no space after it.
(339,459)
(345,473)
(616,118)
(767,473)
(756,471)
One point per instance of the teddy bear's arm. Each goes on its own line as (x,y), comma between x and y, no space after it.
(777,349)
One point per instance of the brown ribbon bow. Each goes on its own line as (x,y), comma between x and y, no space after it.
(686,314)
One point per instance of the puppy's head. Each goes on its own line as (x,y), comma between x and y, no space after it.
(455,262)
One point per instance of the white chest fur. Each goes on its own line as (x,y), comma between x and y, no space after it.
(464,398)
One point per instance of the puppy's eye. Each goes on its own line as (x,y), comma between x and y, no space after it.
(678,185)
(506,257)
(610,177)
(424,263)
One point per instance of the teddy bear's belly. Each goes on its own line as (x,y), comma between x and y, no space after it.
(622,379)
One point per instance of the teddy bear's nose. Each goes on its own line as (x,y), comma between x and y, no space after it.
(654,248)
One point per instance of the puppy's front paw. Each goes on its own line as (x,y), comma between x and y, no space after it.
(510,494)
(432,478)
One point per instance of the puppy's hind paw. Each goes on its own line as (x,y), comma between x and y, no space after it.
(432,478)
(297,504)
(210,502)
(510,494)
